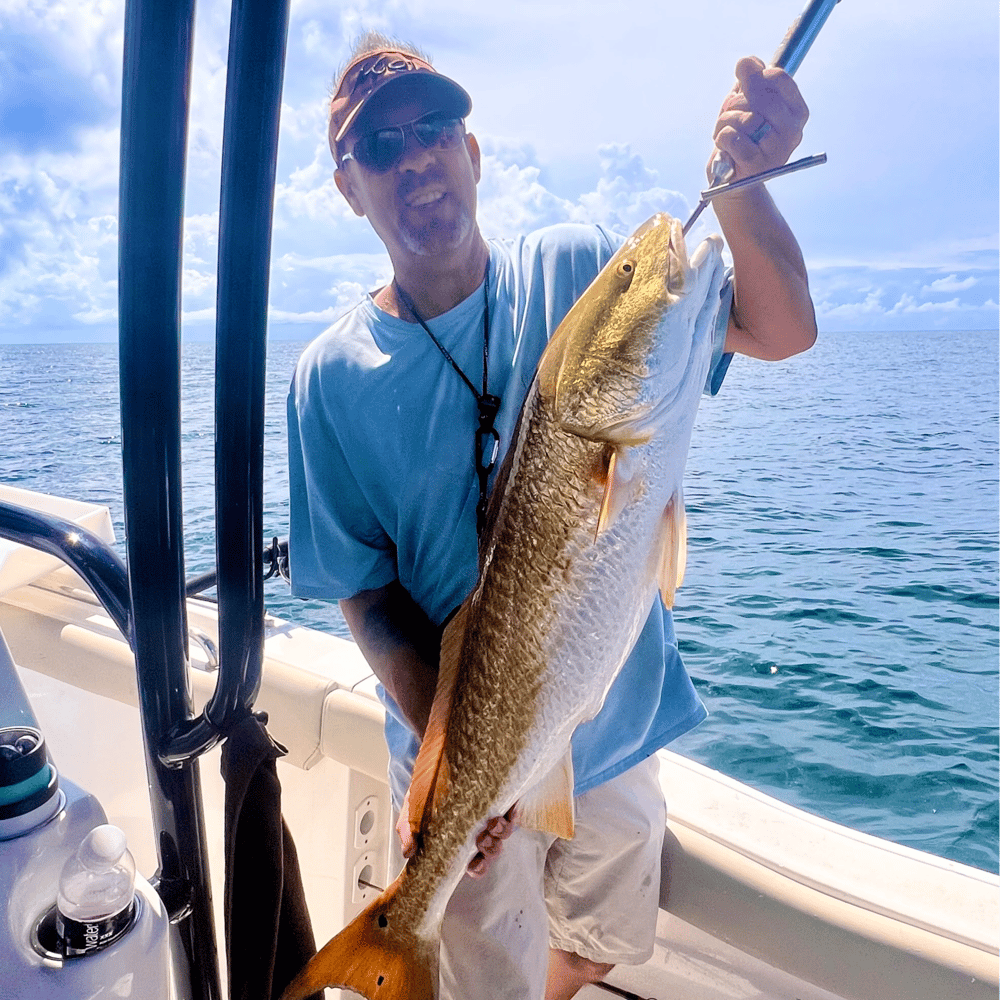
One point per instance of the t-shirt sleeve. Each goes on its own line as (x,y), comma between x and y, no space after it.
(719,364)
(336,545)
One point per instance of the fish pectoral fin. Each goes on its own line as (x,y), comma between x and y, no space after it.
(431,772)
(620,487)
(672,548)
(548,806)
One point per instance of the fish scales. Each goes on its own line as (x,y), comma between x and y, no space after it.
(485,742)
(585,519)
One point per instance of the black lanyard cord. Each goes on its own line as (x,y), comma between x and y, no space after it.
(487,404)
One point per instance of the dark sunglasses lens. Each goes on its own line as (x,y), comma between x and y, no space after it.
(443,132)
(378,151)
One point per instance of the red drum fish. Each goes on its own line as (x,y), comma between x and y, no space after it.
(585,523)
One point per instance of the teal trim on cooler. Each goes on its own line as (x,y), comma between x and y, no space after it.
(23,789)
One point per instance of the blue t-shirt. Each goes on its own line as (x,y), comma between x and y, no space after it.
(383,483)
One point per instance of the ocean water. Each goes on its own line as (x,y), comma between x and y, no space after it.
(840,610)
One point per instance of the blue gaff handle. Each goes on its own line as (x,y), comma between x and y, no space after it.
(802,34)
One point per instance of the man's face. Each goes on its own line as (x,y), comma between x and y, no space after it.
(426,203)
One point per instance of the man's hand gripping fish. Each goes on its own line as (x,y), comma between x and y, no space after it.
(586,520)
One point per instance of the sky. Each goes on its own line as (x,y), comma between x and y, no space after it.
(598,112)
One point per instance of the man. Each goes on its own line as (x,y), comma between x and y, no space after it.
(386,483)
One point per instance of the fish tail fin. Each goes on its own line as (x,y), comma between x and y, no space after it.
(373,957)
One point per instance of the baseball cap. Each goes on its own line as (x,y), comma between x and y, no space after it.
(375,78)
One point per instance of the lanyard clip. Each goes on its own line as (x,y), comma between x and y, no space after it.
(489,407)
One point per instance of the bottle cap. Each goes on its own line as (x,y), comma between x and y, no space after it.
(29,784)
(96,899)
(103,848)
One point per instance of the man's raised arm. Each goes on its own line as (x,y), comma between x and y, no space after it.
(773,316)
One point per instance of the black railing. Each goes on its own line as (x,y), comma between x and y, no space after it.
(155,87)
(147,601)
(274,560)
(154,129)
(257,35)
(96,562)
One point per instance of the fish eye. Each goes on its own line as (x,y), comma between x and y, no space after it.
(626,271)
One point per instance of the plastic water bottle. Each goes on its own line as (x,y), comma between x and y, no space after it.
(96,899)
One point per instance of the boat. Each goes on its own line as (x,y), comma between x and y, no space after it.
(135,681)
(758,899)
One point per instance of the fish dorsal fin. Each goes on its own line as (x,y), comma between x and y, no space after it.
(548,806)
(620,487)
(673,548)
(430,772)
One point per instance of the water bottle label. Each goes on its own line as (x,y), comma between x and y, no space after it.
(80,937)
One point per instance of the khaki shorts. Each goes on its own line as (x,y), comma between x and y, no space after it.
(596,895)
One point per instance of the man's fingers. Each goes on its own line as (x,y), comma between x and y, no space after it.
(748,68)
(747,122)
(407,843)
(501,827)
(787,89)
(489,851)
(490,842)
(746,156)
(762,119)
(767,91)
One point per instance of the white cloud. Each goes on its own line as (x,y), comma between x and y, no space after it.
(304,121)
(320,289)
(311,194)
(97,317)
(627,193)
(197,284)
(201,238)
(198,317)
(86,36)
(950,284)
(892,302)
(325,316)
(868,308)
(907,304)
(317,39)
(513,200)
(58,231)
(566,89)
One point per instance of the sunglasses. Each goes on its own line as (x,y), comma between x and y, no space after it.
(380,150)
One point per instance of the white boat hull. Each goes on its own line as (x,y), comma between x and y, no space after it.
(759,899)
